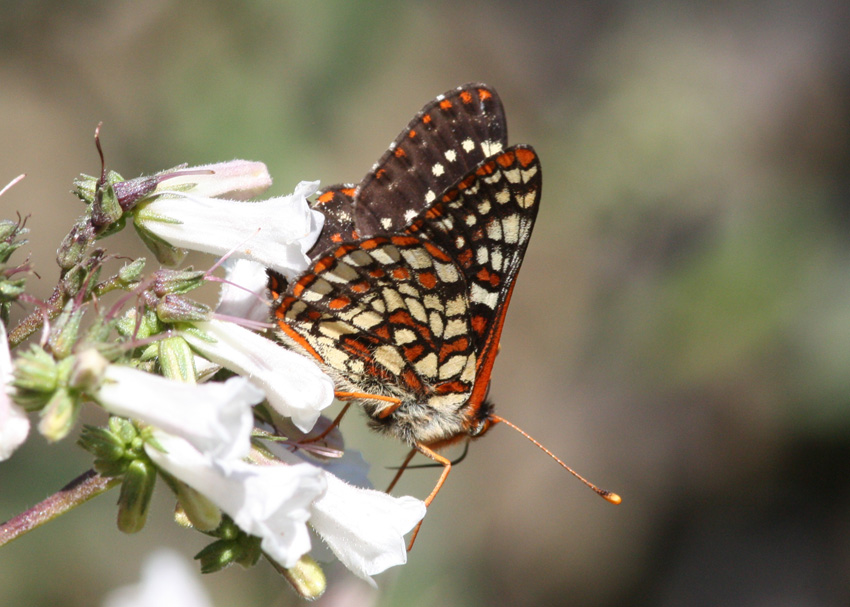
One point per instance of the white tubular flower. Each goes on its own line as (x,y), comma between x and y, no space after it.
(295,387)
(167,581)
(276,232)
(214,417)
(365,528)
(242,296)
(235,179)
(270,502)
(14,423)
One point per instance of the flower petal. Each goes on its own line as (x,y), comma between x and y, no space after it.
(242,296)
(167,581)
(276,232)
(14,423)
(214,417)
(365,528)
(236,179)
(271,502)
(293,384)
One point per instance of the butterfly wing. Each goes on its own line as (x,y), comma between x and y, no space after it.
(448,138)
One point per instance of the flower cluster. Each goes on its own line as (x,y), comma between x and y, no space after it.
(199,397)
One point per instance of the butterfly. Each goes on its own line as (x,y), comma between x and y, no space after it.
(411,278)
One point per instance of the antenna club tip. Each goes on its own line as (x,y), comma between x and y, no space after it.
(611,497)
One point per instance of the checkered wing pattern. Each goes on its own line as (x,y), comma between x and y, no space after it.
(447,139)
(484,224)
(388,315)
(336,203)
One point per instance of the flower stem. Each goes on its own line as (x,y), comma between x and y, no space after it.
(80,490)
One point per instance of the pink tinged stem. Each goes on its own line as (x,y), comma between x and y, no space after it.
(83,488)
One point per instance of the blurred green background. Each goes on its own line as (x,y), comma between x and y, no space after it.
(680,332)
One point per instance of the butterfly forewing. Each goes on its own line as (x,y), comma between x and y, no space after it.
(336,203)
(444,142)
(485,224)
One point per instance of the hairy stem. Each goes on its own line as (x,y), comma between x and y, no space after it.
(83,488)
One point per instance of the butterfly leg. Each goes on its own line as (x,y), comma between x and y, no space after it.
(330,428)
(447,467)
(401,469)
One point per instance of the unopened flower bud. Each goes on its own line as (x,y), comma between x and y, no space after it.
(199,511)
(36,377)
(164,252)
(58,417)
(176,360)
(306,578)
(171,282)
(65,331)
(87,371)
(132,272)
(136,491)
(176,308)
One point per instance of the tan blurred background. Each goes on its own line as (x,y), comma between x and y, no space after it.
(680,332)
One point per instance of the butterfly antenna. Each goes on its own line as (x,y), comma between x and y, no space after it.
(607,495)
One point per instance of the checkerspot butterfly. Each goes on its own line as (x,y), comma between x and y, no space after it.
(405,300)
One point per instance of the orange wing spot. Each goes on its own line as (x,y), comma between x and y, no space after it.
(484,275)
(313,315)
(354,234)
(356,348)
(461,344)
(323,264)
(451,387)
(506,159)
(479,324)
(339,303)
(401,317)
(413,352)
(377,273)
(465,257)
(412,134)
(360,287)
(399,153)
(326,197)
(336,237)
(411,380)
(404,241)
(370,244)
(383,332)
(451,195)
(426,119)
(436,253)
(348,191)
(445,104)
(401,274)
(427,279)
(380,173)
(486,169)
(466,97)
(434,213)
(525,156)
(298,289)
(484,94)
(463,185)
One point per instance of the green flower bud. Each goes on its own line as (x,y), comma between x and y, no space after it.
(132,272)
(36,377)
(200,512)
(66,328)
(170,282)
(176,308)
(58,417)
(306,578)
(243,549)
(149,325)
(176,360)
(136,491)
(110,453)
